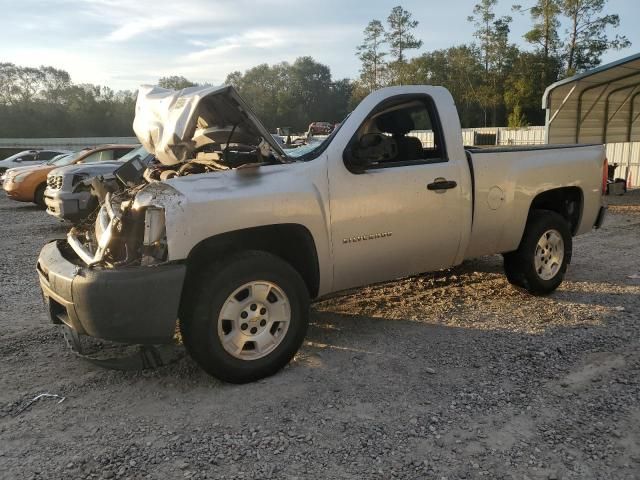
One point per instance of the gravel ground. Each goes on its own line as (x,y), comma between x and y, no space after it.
(447,375)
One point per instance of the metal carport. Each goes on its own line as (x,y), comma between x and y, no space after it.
(598,106)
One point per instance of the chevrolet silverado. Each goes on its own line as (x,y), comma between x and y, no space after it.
(233,235)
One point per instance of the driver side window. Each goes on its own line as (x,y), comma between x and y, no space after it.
(400,131)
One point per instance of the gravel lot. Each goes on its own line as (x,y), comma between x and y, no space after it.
(447,375)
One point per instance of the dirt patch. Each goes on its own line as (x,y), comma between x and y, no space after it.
(451,375)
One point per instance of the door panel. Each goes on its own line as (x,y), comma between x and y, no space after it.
(386,223)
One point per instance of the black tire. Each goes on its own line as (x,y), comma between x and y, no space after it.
(207,294)
(519,266)
(38,196)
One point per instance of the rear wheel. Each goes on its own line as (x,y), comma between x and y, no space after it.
(38,196)
(246,317)
(541,261)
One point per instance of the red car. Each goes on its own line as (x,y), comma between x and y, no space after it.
(320,128)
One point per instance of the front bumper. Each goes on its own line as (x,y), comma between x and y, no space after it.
(13,192)
(602,213)
(67,205)
(130,304)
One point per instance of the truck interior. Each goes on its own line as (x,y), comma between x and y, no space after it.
(389,136)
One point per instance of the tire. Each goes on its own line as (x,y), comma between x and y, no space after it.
(258,350)
(38,196)
(543,275)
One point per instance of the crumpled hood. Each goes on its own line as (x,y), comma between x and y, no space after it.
(89,169)
(171,124)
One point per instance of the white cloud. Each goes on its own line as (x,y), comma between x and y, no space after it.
(129,19)
(123,43)
(256,39)
(138,27)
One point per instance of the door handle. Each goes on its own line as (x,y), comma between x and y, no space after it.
(442,184)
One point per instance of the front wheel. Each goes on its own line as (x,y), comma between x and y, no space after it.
(246,317)
(38,196)
(541,261)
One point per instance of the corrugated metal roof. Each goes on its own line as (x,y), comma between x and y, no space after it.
(598,106)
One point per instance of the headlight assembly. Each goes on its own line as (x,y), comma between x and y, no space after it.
(20,177)
(78,178)
(154,243)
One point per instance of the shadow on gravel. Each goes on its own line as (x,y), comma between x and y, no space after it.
(610,296)
(24,207)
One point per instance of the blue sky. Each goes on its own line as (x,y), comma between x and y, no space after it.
(124,43)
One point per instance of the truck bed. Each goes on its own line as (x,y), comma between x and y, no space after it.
(507,180)
(522,148)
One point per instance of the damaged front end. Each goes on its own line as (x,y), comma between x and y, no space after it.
(114,278)
(111,279)
(129,229)
(190,132)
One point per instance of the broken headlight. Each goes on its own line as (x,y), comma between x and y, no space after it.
(154,242)
(77,178)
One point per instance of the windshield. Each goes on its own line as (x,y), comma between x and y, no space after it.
(56,158)
(62,160)
(305,149)
(139,152)
(315,146)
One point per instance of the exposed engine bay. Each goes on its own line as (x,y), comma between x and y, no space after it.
(193,131)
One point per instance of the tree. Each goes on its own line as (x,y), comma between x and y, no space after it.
(43,102)
(517,119)
(175,82)
(587,38)
(460,70)
(371,55)
(498,56)
(293,95)
(523,85)
(400,39)
(544,34)
(483,17)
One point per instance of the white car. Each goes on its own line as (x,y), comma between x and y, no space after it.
(28,158)
(4,174)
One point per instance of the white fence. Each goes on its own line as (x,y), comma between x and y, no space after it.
(627,156)
(491,136)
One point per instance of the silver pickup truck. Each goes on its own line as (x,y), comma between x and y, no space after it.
(235,235)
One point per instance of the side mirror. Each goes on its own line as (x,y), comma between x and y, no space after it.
(370,150)
(18,160)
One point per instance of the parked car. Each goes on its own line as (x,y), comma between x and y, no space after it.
(236,248)
(320,128)
(29,184)
(68,194)
(16,169)
(29,158)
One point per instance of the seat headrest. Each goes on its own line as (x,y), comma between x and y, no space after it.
(398,122)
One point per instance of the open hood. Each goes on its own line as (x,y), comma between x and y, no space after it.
(172,124)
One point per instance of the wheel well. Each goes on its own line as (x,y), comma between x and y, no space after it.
(567,201)
(291,242)
(42,185)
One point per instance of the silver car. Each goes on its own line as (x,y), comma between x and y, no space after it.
(68,193)
(28,158)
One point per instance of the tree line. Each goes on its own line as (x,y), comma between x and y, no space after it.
(493,81)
